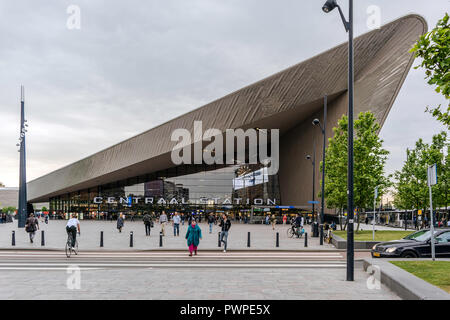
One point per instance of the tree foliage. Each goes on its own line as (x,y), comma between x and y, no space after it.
(8,209)
(433,48)
(411,180)
(369,161)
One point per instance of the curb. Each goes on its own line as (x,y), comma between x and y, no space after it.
(406,285)
(341,243)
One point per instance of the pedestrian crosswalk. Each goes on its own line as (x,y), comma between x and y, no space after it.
(94,260)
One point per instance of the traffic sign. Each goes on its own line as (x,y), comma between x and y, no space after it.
(315,202)
(432,175)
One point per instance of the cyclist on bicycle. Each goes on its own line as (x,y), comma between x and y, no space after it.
(72,225)
(298,223)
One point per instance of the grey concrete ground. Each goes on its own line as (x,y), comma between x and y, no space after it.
(182,282)
(262,237)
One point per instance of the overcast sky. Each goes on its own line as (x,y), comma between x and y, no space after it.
(136,64)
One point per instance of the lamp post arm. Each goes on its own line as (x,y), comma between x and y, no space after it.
(345,22)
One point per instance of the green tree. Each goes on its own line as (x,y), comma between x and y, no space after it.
(434,49)
(9,209)
(369,162)
(2,185)
(411,181)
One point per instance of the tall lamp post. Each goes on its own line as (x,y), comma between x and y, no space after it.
(22,211)
(327,7)
(313,161)
(322,128)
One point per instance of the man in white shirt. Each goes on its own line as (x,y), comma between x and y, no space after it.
(176,224)
(72,226)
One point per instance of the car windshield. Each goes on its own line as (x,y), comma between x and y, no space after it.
(414,235)
(424,236)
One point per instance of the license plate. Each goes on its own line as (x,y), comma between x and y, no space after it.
(376,254)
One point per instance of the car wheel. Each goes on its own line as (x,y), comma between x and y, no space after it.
(408,254)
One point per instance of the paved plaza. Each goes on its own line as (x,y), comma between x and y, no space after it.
(147,271)
(262,237)
(174,275)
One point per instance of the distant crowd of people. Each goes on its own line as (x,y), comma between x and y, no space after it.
(193,233)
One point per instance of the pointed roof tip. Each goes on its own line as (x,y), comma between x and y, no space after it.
(417,17)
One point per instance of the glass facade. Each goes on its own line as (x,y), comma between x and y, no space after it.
(186,188)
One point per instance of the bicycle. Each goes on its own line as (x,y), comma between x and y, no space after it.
(295,231)
(69,248)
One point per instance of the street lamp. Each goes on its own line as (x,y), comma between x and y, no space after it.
(322,128)
(313,161)
(327,7)
(22,211)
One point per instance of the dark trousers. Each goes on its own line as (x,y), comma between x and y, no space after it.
(176,229)
(73,231)
(147,229)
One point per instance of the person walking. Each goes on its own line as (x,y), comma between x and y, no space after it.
(162,221)
(193,237)
(211,222)
(31,225)
(284,219)
(267,219)
(148,223)
(273,220)
(226,225)
(182,218)
(120,222)
(176,224)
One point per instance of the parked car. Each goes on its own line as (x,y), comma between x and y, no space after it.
(415,245)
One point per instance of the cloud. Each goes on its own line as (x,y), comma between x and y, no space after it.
(136,64)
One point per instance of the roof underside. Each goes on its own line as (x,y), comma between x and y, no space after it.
(287,97)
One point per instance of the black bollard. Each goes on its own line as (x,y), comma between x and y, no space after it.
(218,239)
(101,238)
(248,239)
(42,238)
(278,239)
(131,238)
(13,240)
(306,239)
(160,239)
(321,235)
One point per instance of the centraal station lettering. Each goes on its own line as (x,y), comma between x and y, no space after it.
(175,201)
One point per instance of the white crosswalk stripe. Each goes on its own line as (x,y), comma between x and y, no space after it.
(56,260)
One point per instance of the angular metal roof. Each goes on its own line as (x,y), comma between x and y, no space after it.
(382,62)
